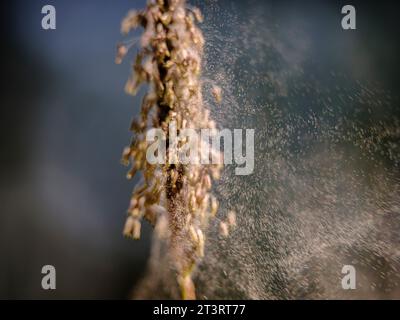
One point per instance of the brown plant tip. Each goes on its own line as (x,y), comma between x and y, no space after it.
(223,229)
(217,93)
(122,50)
(231,218)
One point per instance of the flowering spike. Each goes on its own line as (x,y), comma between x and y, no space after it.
(174,197)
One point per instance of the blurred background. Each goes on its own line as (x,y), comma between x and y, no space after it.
(65,120)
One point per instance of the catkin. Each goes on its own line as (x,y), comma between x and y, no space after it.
(169,62)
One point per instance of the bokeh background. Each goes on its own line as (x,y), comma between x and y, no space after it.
(65,120)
